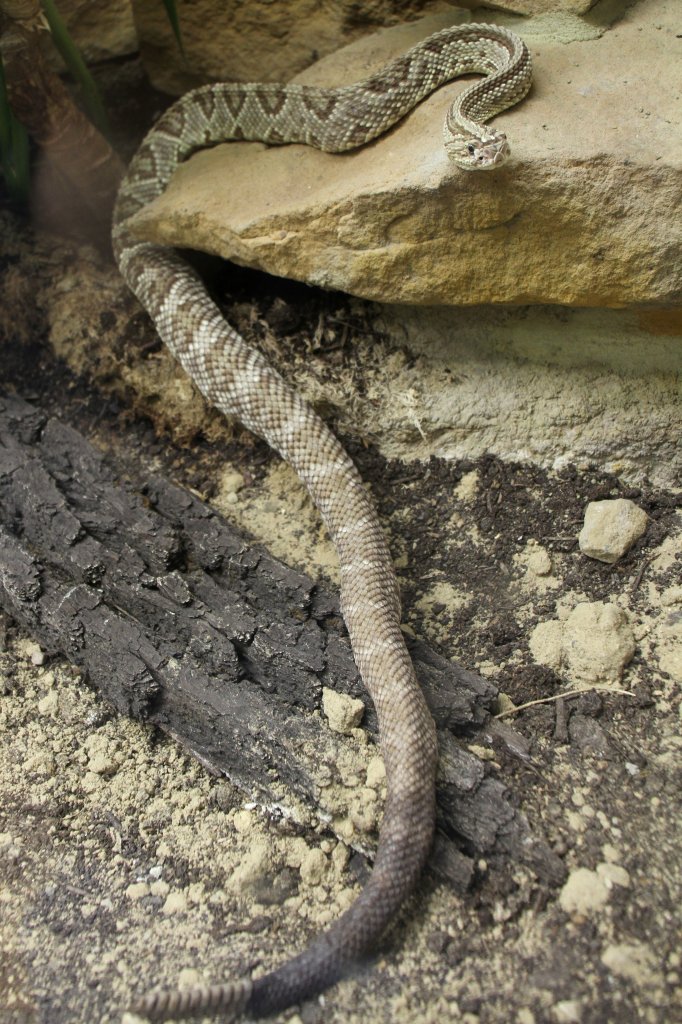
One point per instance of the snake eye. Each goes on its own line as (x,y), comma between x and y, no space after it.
(470,147)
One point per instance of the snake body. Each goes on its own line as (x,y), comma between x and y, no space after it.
(238,380)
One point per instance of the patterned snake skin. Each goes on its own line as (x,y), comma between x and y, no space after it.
(238,380)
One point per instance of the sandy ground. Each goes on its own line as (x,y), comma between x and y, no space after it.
(124,864)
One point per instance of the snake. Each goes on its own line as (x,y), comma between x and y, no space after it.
(237,379)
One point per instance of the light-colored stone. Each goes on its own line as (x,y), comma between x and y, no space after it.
(175,903)
(593,644)
(539,561)
(504,704)
(584,892)
(343,713)
(253,868)
(582,215)
(535,561)
(634,962)
(597,642)
(34,652)
(49,705)
(614,874)
(102,755)
(260,40)
(243,821)
(190,977)
(553,386)
(538,6)
(376,772)
(568,1011)
(137,890)
(467,488)
(230,483)
(610,529)
(271,42)
(101,764)
(314,867)
(545,643)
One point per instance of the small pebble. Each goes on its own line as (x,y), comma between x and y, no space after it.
(137,891)
(36,654)
(610,528)
(614,874)
(176,903)
(584,892)
(314,867)
(568,1011)
(343,713)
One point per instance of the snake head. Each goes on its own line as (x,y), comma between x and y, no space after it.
(478,153)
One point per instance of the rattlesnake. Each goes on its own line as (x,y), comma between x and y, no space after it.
(238,380)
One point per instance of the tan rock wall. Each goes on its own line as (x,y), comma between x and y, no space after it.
(552,385)
(257,40)
(532,7)
(100,28)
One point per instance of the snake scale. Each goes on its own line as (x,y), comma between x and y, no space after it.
(238,380)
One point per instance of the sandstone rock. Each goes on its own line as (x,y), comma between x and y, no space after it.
(254,869)
(593,645)
(611,528)
(262,41)
(546,384)
(531,7)
(100,28)
(581,215)
(271,42)
(538,6)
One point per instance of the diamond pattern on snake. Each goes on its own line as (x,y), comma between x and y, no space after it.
(238,380)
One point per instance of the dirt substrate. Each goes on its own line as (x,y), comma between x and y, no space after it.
(123,864)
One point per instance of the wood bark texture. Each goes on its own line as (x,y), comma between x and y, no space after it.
(182,621)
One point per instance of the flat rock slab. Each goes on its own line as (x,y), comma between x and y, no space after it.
(584,214)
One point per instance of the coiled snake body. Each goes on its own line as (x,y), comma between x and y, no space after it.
(238,380)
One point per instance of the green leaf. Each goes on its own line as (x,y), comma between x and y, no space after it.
(172,12)
(76,65)
(14,150)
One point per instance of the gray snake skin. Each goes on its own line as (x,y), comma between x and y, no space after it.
(238,380)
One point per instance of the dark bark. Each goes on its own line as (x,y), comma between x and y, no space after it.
(180,620)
